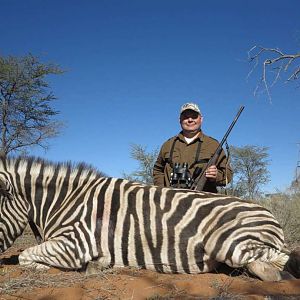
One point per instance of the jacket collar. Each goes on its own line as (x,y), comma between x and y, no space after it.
(180,136)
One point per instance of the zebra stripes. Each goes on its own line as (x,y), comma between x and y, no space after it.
(83,216)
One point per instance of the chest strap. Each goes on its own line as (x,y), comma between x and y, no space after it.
(170,161)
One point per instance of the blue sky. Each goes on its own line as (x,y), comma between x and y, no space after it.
(132,64)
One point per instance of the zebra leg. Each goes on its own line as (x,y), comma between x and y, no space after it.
(265,271)
(53,253)
(199,261)
(265,262)
(269,265)
(206,264)
(96,266)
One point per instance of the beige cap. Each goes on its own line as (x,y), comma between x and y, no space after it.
(191,106)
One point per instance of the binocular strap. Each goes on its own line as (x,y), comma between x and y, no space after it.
(196,156)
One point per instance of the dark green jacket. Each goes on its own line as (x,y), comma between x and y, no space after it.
(204,146)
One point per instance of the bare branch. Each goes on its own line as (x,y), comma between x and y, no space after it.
(295,74)
(276,61)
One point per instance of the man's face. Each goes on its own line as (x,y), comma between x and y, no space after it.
(190,121)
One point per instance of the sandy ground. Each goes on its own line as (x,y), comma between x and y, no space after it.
(128,283)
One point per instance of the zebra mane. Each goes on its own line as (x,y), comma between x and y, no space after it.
(69,165)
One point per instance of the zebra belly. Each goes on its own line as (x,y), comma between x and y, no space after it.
(160,260)
(163,267)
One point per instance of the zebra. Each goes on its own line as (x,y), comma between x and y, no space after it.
(86,219)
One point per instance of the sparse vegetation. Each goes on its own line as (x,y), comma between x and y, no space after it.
(250,168)
(30,279)
(145,161)
(223,290)
(27,115)
(286,209)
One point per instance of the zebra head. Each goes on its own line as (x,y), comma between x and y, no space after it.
(12,223)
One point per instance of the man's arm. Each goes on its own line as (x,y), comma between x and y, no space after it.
(225,173)
(221,173)
(158,170)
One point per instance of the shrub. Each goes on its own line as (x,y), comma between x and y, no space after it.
(286,209)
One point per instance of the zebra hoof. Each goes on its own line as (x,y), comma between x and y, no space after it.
(93,268)
(287,276)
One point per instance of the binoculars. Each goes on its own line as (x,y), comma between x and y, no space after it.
(180,176)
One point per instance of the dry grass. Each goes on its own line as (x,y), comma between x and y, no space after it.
(286,209)
(22,279)
(222,288)
(30,279)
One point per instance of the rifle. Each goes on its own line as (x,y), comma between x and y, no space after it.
(200,180)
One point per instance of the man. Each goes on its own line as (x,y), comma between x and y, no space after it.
(193,148)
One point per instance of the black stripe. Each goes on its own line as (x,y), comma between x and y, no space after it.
(249,227)
(199,256)
(191,227)
(132,211)
(89,207)
(181,209)
(100,210)
(27,182)
(115,205)
(18,182)
(39,192)
(8,217)
(241,239)
(154,250)
(64,189)
(67,209)
(232,214)
(51,188)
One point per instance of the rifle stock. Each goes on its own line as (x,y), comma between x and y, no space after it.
(199,181)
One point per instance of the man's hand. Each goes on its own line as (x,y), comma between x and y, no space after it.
(211,173)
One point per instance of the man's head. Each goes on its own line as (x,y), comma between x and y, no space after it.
(190,119)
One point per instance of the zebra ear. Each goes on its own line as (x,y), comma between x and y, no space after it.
(4,191)
(2,185)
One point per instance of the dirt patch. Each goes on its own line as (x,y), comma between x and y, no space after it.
(127,283)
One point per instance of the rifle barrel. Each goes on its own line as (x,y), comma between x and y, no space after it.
(231,125)
(199,185)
